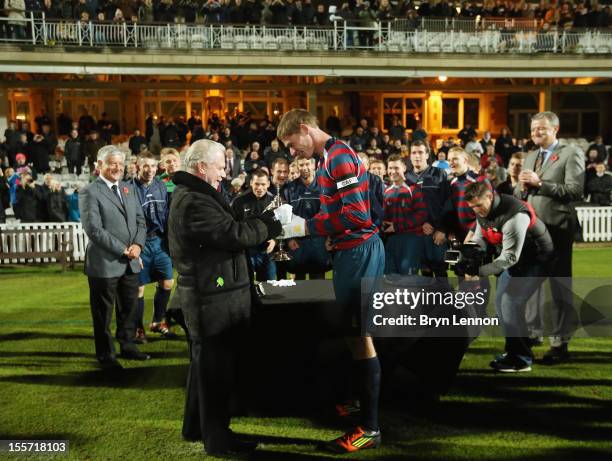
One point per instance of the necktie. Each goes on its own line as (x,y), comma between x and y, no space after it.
(539,162)
(115,190)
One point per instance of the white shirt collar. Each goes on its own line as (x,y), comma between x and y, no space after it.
(109,183)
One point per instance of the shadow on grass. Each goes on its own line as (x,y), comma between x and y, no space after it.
(161,377)
(50,354)
(28,335)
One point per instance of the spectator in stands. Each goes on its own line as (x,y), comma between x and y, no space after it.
(373,150)
(566,16)
(74,152)
(419,134)
(170,163)
(486,139)
(441,162)
(12,179)
(27,207)
(5,196)
(171,136)
(600,147)
(489,155)
(22,167)
(233,168)
(514,169)
(86,123)
(466,134)
(39,154)
(50,139)
(358,139)
(396,131)
(253,162)
(504,146)
(274,151)
(473,146)
(137,141)
(16,16)
(90,149)
(55,203)
(367,18)
(599,186)
(332,124)
(11,137)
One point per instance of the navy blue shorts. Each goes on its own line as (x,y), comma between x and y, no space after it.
(350,266)
(156,261)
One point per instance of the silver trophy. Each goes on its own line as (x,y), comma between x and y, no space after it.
(280,254)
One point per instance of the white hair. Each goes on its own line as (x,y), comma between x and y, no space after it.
(552,118)
(202,151)
(107,151)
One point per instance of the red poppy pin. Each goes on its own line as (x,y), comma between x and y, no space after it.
(554,158)
(125,190)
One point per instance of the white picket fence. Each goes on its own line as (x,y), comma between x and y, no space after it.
(42,244)
(596,223)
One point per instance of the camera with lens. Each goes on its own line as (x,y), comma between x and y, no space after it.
(465,258)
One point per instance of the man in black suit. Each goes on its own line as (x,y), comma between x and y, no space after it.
(112,219)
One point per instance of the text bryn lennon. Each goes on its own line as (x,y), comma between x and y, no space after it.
(435,322)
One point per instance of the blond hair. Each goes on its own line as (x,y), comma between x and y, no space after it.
(290,122)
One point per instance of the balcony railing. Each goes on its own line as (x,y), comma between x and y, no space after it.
(395,37)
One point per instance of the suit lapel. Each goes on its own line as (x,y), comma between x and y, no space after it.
(112,197)
(555,153)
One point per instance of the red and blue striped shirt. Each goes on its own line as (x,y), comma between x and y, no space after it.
(345,200)
(405,207)
(465,215)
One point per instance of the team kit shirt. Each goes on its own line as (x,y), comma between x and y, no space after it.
(466,216)
(405,207)
(305,199)
(345,202)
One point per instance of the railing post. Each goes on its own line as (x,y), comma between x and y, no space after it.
(335,35)
(563,39)
(168,30)
(79,33)
(555,42)
(33,28)
(44,29)
(136,32)
(344,39)
(379,25)
(91,32)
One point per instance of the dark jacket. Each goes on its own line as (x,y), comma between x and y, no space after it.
(207,246)
(73,150)
(57,208)
(436,191)
(28,204)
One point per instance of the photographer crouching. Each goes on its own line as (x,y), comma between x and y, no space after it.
(524,251)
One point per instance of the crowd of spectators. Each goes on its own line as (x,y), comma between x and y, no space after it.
(32,161)
(563,14)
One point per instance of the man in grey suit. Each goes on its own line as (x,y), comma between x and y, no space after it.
(233,168)
(553,177)
(112,219)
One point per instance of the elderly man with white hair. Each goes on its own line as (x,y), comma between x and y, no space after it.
(112,219)
(207,246)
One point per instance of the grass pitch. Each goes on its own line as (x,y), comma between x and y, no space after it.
(50,388)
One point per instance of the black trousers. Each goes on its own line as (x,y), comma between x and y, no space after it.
(563,315)
(210,384)
(104,295)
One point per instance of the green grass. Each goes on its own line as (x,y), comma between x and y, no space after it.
(50,388)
